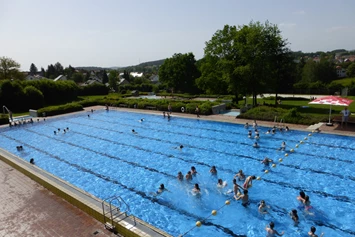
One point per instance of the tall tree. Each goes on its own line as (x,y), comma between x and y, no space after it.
(51,72)
(43,72)
(9,68)
(104,77)
(350,72)
(244,57)
(180,72)
(113,79)
(33,69)
(59,70)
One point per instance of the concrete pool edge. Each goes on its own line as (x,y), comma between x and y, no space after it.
(79,198)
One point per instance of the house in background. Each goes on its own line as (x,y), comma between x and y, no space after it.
(136,74)
(33,77)
(60,78)
(123,81)
(154,79)
(341,72)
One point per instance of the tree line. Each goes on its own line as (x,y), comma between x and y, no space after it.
(249,60)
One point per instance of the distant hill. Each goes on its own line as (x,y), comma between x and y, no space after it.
(155,63)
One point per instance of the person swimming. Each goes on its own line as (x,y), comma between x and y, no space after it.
(266,161)
(263,207)
(249,182)
(312,233)
(245,198)
(240,175)
(196,189)
(193,170)
(283,146)
(32,161)
(294,216)
(287,129)
(221,184)
(246,125)
(180,177)
(19,148)
(188,176)
(162,189)
(164,114)
(141,120)
(250,134)
(213,170)
(55,132)
(301,197)
(256,145)
(134,132)
(271,232)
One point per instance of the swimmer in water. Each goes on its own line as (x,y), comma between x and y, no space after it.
(180,177)
(249,134)
(256,145)
(32,161)
(262,207)
(221,184)
(240,175)
(266,161)
(162,189)
(271,232)
(287,129)
(236,189)
(301,197)
(283,146)
(193,170)
(246,125)
(249,182)
(188,176)
(164,114)
(196,189)
(294,216)
(141,120)
(55,133)
(245,198)
(213,170)
(257,136)
(134,132)
(312,233)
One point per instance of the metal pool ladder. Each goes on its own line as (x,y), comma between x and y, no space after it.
(115,209)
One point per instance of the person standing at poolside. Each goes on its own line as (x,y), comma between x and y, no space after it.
(271,232)
(169,108)
(197,111)
(346,114)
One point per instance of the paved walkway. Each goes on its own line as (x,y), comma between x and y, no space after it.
(28,209)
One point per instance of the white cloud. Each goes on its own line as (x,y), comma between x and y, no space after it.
(301,12)
(338,28)
(287,25)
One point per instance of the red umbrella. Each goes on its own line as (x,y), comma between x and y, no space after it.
(331,100)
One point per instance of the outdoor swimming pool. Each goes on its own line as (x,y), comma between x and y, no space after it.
(102,156)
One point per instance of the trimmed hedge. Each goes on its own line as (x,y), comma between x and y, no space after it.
(60,109)
(266,113)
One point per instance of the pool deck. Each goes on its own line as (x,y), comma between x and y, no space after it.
(29,209)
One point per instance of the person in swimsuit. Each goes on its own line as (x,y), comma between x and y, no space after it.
(294,216)
(196,189)
(301,197)
(193,170)
(236,189)
(213,170)
(248,182)
(266,161)
(262,207)
(162,189)
(221,184)
(240,175)
(188,176)
(180,177)
(271,232)
(312,233)
(283,146)
(245,198)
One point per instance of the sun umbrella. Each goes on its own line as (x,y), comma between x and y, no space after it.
(331,100)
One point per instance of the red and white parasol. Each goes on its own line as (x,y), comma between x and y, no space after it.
(331,100)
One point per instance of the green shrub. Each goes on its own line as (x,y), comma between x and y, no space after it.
(34,97)
(94,89)
(60,109)
(4,119)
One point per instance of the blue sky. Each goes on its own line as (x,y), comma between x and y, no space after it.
(121,33)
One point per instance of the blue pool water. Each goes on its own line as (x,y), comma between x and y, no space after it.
(102,156)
